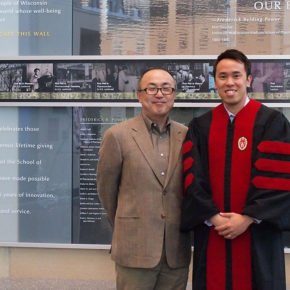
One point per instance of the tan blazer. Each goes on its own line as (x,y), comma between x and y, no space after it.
(140,209)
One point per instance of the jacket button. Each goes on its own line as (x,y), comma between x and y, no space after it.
(163,216)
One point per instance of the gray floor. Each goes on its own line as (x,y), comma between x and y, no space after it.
(33,284)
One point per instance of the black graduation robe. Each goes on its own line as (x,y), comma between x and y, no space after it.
(241,167)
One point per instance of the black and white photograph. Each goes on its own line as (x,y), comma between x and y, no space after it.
(268,77)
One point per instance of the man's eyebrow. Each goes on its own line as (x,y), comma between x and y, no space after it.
(163,84)
(225,73)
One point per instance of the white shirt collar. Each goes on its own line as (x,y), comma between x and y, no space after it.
(231,115)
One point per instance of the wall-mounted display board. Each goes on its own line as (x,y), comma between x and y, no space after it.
(116,79)
(181,27)
(164,27)
(35,27)
(35,174)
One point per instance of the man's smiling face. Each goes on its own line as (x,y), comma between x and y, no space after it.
(231,81)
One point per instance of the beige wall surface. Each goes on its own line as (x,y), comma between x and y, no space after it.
(62,264)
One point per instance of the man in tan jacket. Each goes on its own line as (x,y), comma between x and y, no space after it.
(140,185)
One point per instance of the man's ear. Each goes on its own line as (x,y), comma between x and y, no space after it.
(139,97)
(249,80)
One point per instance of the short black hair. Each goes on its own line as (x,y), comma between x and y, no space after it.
(235,55)
(150,69)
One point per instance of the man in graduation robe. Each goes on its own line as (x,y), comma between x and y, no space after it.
(236,183)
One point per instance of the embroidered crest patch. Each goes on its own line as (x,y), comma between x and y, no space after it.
(242,143)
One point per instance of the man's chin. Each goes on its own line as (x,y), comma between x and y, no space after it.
(230,100)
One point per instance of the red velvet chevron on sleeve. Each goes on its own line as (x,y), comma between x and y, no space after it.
(274,147)
(187,163)
(271,183)
(187,146)
(272,165)
(188,181)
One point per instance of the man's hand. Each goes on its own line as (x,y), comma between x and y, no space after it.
(218,220)
(235,225)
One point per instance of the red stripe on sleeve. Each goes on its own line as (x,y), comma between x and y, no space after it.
(271,183)
(187,146)
(273,165)
(187,163)
(274,147)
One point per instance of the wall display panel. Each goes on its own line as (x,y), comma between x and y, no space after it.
(186,27)
(35,175)
(90,225)
(117,79)
(183,27)
(35,27)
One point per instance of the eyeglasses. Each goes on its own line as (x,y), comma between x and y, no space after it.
(154,91)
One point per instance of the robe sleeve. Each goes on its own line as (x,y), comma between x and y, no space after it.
(198,205)
(269,191)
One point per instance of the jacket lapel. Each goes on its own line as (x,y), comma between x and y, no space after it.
(143,139)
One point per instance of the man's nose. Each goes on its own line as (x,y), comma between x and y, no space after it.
(159,94)
(229,81)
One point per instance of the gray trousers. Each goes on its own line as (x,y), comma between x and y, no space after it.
(161,277)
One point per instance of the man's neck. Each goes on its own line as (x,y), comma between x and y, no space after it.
(235,109)
(160,121)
